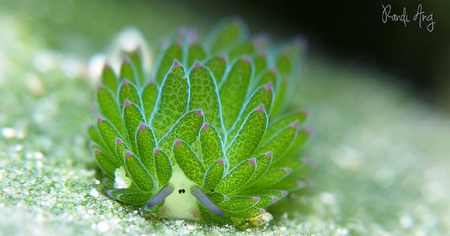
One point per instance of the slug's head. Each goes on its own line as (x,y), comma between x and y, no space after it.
(181,197)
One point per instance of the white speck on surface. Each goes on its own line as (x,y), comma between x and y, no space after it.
(71,66)
(18,147)
(130,39)
(406,221)
(2,173)
(38,155)
(34,84)
(103,227)
(285,216)
(342,231)
(39,164)
(8,132)
(20,134)
(179,222)
(328,198)
(425,216)
(45,110)
(266,217)
(347,158)
(261,219)
(94,193)
(95,67)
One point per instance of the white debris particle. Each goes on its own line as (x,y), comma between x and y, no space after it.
(347,158)
(2,173)
(38,155)
(190,227)
(34,155)
(49,202)
(8,132)
(71,66)
(285,216)
(266,217)
(34,84)
(45,110)
(129,39)
(18,147)
(103,227)
(95,66)
(328,198)
(261,219)
(28,155)
(39,164)
(342,231)
(120,180)
(178,222)
(20,134)
(406,221)
(94,193)
(40,218)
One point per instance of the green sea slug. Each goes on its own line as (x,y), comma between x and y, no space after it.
(206,134)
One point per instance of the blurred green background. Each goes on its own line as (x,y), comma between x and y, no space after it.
(351,32)
(380,145)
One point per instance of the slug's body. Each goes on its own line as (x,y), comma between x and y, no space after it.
(200,139)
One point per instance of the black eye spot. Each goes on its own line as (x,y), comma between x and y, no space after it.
(181,190)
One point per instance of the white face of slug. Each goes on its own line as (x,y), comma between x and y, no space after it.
(180,204)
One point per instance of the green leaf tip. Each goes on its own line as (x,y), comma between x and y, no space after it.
(206,133)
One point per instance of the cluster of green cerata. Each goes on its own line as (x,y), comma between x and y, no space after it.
(206,134)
